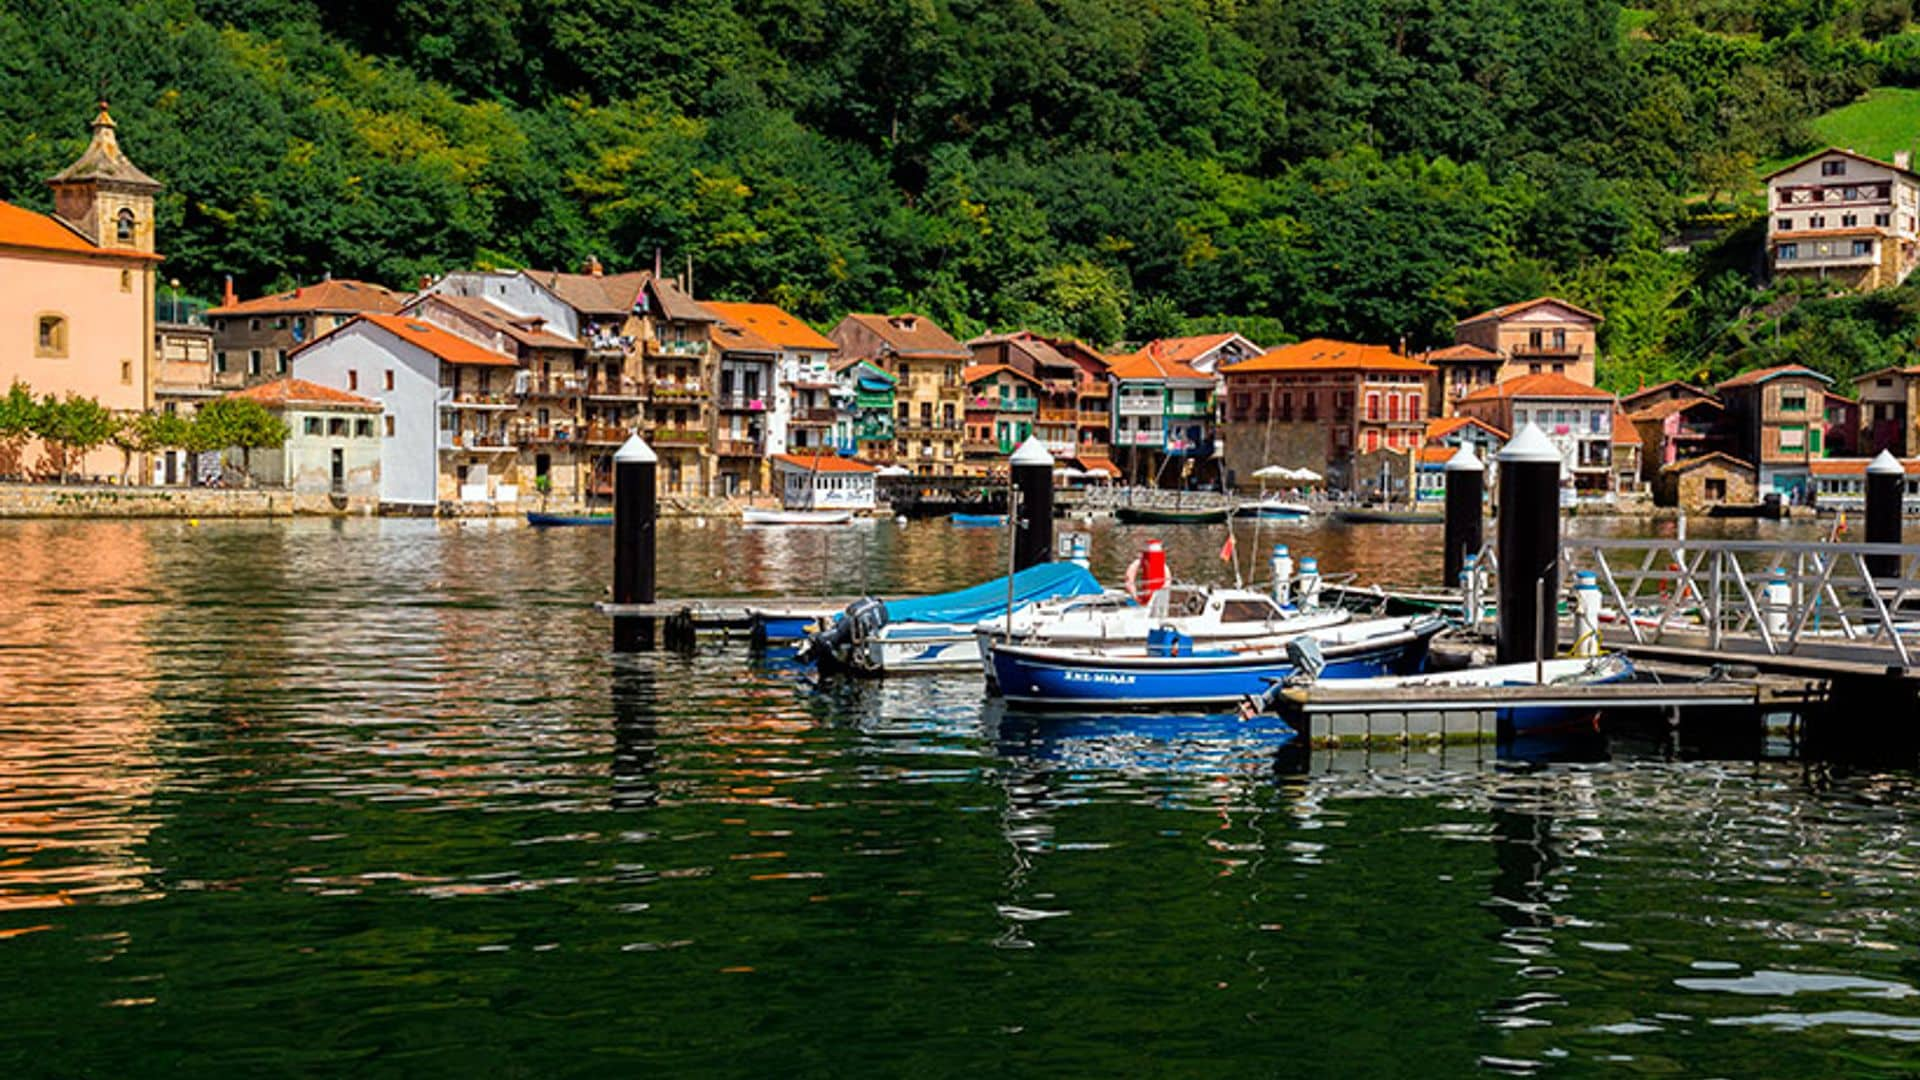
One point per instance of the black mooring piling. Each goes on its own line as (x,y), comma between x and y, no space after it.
(1886,492)
(1032,468)
(1529,548)
(1466,502)
(636,513)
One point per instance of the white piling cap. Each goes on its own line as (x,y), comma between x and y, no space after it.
(1529,445)
(1886,463)
(635,450)
(1465,461)
(1031,452)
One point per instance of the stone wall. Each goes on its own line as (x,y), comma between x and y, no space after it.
(1252,445)
(79,501)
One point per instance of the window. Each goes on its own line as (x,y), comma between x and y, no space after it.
(1851,194)
(50,336)
(1789,251)
(1559,339)
(1413,407)
(1793,437)
(1534,338)
(220,361)
(126,281)
(389,427)
(1393,406)
(390,381)
(1848,221)
(1533,369)
(253,324)
(1883,220)
(1833,168)
(1715,489)
(1373,440)
(1373,406)
(126,372)
(1559,369)
(1863,247)
(313,425)
(123,226)
(1784,224)
(1817,221)
(280,361)
(353,383)
(337,425)
(1795,402)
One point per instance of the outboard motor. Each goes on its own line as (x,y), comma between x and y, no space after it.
(1303,653)
(832,649)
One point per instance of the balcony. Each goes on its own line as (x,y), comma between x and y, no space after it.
(677,348)
(929,427)
(538,435)
(622,389)
(741,403)
(1057,416)
(992,403)
(738,448)
(814,417)
(1189,408)
(980,446)
(476,441)
(1139,404)
(1547,348)
(605,344)
(552,386)
(604,434)
(670,436)
(1815,254)
(1152,437)
(477,400)
(669,390)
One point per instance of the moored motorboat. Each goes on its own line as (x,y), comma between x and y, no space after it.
(1171,672)
(752,516)
(1162,515)
(978,520)
(1274,510)
(1206,614)
(537,518)
(1526,698)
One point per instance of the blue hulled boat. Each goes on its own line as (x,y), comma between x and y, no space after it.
(979,520)
(1169,673)
(534,517)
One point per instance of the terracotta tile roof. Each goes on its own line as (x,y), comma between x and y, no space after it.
(23,228)
(1623,430)
(1324,354)
(1697,391)
(1851,466)
(337,295)
(1761,375)
(1447,425)
(1660,410)
(1461,353)
(1437,455)
(981,371)
(730,337)
(1725,459)
(594,294)
(526,331)
(914,335)
(450,347)
(826,463)
(1187,349)
(771,323)
(1141,367)
(1510,310)
(1544,385)
(281,393)
(1042,352)
(1821,234)
(1098,463)
(1893,370)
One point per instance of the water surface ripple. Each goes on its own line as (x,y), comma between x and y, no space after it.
(371,796)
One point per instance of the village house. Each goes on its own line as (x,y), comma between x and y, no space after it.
(1542,336)
(1841,483)
(443,402)
(1698,484)
(182,380)
(1841,217)
(806,400)
(1001,405)
(1843,425)
(1776,419)
(1674,428)
(1443,439)
(1577,419)
(1163,416)
(825,482)
(929,393)
(742,404)
(332,446)
(1073,415)
(253,338)
(1321,403)
(864,422)
(1889,411)
(76,292)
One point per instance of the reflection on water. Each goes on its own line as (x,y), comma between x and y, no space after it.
(284,797)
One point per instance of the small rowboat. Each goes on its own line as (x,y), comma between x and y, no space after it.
(1152,515)
(979,520)
(552,520)
(751,516)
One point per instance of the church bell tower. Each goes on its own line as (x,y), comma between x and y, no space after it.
(105,196)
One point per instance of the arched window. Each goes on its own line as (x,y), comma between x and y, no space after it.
(123,226)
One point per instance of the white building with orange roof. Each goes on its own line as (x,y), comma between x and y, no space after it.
(800,398)
(1319,403)
(1542,336)
(444,407)
(333,442)
(1837,216)
(1163,420)
(1577,419)
(76,292)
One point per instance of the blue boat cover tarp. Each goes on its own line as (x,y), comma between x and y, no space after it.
(988,599)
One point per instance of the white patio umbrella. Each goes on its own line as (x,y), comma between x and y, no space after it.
(1273,472)
(1307,476)
(894,470)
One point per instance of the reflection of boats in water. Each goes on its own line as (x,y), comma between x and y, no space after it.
(751,516)
(1194,744)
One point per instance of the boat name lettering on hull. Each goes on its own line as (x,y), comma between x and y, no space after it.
(1114,678)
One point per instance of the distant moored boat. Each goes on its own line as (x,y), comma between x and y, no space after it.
(545,520)
(751,516)
(1153,515)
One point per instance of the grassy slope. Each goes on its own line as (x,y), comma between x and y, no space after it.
(1885,120)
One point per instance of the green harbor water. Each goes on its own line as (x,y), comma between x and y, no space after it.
(372,798)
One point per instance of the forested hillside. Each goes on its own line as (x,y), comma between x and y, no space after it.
(1117,169)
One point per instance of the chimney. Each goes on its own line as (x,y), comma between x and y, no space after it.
(426,282)
(1903,160)
(593,266)
(227,296)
